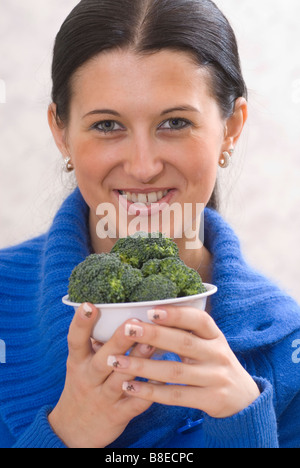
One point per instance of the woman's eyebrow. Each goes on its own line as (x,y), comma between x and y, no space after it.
(180,108)
(166,111)
(102,111)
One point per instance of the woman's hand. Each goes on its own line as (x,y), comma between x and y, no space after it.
(209,378)
(93,409)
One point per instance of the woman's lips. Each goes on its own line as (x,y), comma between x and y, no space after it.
(141,209)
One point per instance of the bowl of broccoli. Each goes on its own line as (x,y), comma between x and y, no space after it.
(140,272)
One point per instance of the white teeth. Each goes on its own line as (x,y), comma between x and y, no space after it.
(142,198)
(145,198)
(152,197)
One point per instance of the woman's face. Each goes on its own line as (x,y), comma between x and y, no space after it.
(148,127)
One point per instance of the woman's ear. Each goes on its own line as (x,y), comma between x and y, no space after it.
(58,131)
(235,123)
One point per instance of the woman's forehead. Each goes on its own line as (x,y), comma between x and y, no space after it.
(124,76)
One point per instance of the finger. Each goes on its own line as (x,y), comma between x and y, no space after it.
(96,345)
(142,350)
(113,385)
(173,395)
(164,371)
(80,331)
(186,318)
(118,344)
(180,342)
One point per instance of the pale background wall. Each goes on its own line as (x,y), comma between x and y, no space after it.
(261,191)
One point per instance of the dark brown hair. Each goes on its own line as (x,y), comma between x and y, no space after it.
(147,26)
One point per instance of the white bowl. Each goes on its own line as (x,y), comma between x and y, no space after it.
(111,316)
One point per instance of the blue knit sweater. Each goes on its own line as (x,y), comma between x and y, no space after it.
(260,322)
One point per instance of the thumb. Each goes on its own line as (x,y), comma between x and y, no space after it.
(80,332)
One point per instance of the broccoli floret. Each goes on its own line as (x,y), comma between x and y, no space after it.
(193,284)
(154,288)
(151,267)
(141,247)
(187,280)
(130,278)
(103,279)
(143,267)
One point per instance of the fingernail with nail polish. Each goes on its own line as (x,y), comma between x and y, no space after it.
(145,349)
(133,330)
(87,311)
(130,387)
(112,361)
(121,362)
(157,314)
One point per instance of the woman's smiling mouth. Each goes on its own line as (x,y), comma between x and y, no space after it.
(142,197)
(144,202)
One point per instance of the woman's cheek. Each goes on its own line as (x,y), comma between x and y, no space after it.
(200,171)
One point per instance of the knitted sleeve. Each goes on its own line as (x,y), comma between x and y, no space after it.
(290,419)
(254,427)
(6,439)
(40,433)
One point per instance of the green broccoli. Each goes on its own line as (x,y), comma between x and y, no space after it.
(187,280)
(192,285)
(154,288)
(143,267)
(151,267)
(103,279)
(139,248)
(130,278)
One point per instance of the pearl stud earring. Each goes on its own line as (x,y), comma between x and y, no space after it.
(67,166)
(226,159)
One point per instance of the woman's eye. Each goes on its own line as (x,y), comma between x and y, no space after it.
(175,124)
(107,126)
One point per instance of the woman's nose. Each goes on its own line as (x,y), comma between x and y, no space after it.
(143,161)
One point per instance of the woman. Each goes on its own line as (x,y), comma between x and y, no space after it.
(148,102)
